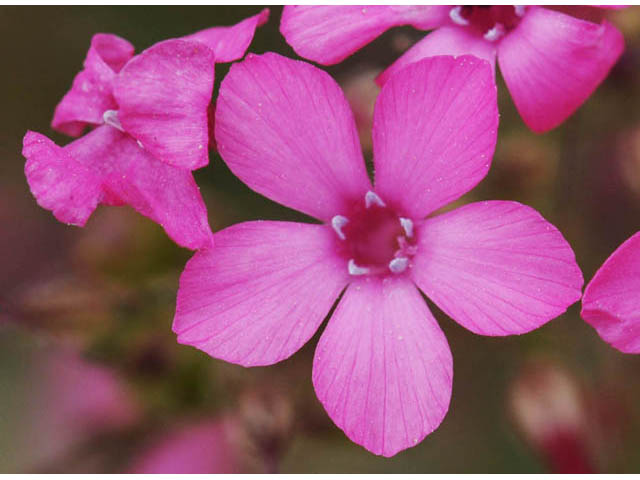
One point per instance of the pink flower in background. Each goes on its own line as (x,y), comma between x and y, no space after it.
(151,113)
(382,368)
(551,61)
(199,447)
(611,301)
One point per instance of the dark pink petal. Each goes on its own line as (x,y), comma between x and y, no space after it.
(611,301)
(92,91)
(107,166)
(260,293)
(552,62)
(383,368)
(200,447)
(434,132)
(230,43)
(59,182)
(329,34)
(497,268)
(284,127)
(447,40)
(164,94)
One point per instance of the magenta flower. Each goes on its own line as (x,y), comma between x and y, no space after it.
(382,368)
(550,61)
(197,447)
(150,113)
(611,301)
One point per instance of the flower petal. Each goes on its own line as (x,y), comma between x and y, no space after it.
(434,132)
(284,127)
(611,301)
(230,43)
(497,268)
(201,446)
(92,91)
(383,369)
(164,94)
(107,166)
(329,34)
(553,62)
(446,40)
(260,293)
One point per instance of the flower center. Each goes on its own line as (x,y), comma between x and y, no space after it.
(492,22)
(374,239)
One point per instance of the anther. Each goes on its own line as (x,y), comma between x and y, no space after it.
(399,264)
(407,226)
(371,197)
(494,33)
(456,16)
(519,10)
(110,117)
(337,223)
(355,269)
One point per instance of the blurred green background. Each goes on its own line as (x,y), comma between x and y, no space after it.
(104,295)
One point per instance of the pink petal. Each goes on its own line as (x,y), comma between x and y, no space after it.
(164,94)
(553,62)
(383,369)
(497,268)
(230,43)
(611,301)
(107,166)
(260,293)
(434,132)
(447,40)
(59,182)
(201,447)
(329,34)
(91,93)
(285,128)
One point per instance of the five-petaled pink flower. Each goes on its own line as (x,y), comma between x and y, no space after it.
(382,368)
(551,61)
(611,301)
(151,117)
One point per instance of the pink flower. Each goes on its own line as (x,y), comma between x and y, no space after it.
(611,301)
(150,113)
(382,368)
(198,447)
(550,61)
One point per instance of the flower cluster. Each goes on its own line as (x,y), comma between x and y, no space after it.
(256,292)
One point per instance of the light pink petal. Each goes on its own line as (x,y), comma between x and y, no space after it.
(284,127)
(260,293)
(434,132)
(611,301)
(230,43)
(447,40)
(164,94)
(107,166)
(200,447)
(497,268)
(92,91)
(329,34)
(383,369)
(553,62)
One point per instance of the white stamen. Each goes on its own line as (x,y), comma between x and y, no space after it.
(407,226)
(371,197)
(337,223)
(355,269)
(520,10)
(456,16)
(495,33)
(110,117)
(398,265)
